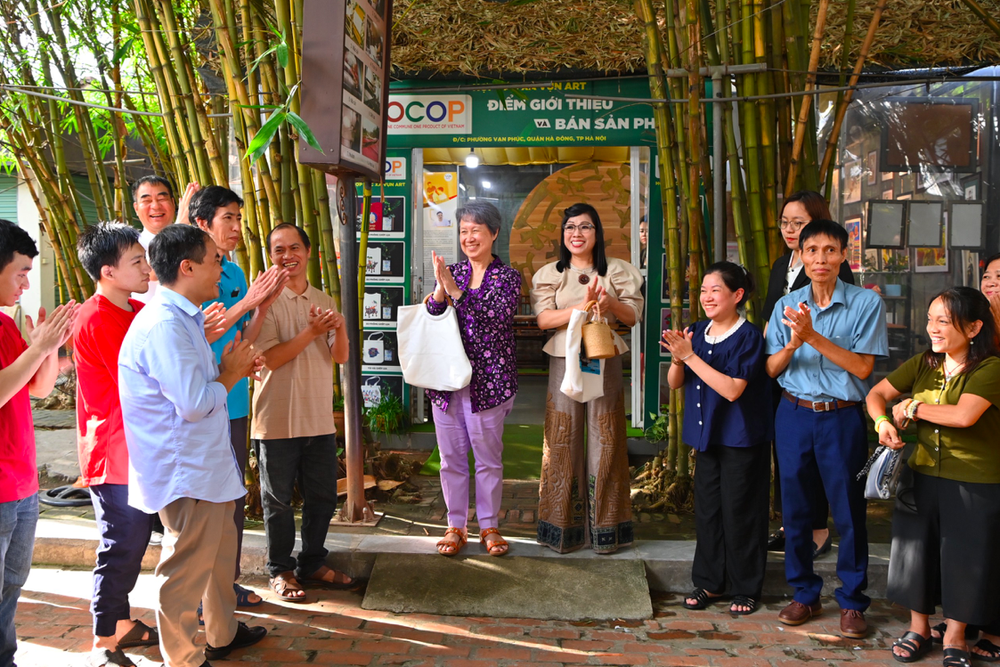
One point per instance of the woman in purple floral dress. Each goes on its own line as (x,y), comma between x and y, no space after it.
(486,293)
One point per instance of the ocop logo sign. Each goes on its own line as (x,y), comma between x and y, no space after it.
(430,114)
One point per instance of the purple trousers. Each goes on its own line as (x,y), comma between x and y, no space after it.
(459,428)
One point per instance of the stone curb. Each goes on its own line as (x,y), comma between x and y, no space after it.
(667,563)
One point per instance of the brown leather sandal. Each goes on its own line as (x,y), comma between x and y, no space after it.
(285,583)
(495,547)
(448,547)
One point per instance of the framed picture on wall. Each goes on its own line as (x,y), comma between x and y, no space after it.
(970,187)
(853,226)
(887,194)
(933,260)
(871,166)
(887,175)
(852,182)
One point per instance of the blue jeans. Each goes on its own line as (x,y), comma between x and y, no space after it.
(18,519)
(313,462)
(124,533)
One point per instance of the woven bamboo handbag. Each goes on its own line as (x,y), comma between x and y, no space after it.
(598,339)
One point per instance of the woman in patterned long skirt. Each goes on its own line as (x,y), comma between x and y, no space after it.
(584,492)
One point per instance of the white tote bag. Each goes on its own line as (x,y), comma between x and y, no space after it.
(582,381)
(431,353)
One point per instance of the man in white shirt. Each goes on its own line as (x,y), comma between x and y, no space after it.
(181,463)
(153,202)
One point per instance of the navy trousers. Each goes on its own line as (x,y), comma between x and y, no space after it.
(124,534)
(825,449)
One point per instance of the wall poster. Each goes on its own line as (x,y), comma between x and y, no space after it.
(440,228)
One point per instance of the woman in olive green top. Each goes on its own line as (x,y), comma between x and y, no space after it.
(946,523)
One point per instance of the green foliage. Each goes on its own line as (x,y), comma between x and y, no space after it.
(387,416)
(659,428)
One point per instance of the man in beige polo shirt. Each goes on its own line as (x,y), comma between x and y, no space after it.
(301,337)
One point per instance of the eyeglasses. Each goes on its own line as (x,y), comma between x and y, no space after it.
(794,225)
(585,229)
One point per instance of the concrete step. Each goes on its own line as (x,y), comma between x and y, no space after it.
(72,544)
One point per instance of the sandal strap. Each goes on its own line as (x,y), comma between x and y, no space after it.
(699,594)
(499,541)
(989,647)
(744,601)
(956,657)
(911,641)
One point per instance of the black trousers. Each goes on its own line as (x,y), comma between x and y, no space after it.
(945,549)
(730,511)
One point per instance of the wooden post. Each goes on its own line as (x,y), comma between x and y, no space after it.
(355,509)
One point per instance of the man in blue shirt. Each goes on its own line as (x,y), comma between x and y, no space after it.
(823,340)
(181,463)
(216,210)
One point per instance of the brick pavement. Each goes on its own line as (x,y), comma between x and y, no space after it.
(54,626)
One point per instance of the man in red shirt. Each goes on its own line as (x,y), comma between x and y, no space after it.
(24,368)
(114,258)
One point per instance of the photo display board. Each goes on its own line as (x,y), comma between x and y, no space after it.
(345,66)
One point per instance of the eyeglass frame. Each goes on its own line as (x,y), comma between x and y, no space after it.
(787,224)
(585,228)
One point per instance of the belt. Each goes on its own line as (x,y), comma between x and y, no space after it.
(818,406)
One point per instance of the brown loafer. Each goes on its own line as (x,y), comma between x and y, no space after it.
(853,624)
(797,613)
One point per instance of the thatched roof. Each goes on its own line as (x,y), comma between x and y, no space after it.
(482,38)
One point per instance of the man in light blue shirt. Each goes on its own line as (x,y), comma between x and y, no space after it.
(823,340)
(216,210)
(181,463)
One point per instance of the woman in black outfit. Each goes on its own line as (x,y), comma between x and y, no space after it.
(788,275)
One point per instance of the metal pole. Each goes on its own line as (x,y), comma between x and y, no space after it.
(355,509)
(718,168)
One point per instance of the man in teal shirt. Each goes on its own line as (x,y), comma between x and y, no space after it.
(216,210)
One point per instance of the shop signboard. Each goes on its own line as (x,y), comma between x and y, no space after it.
(559,114)
(387,280)
(345,67)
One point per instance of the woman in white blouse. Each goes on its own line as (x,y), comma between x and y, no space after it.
(584,491)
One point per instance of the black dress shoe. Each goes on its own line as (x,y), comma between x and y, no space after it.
(825,549)
(245,636)
(776,540)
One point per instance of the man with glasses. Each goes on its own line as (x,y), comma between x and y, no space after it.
(154,204)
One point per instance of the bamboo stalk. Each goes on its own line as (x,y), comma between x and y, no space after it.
(826,166)
(800,127)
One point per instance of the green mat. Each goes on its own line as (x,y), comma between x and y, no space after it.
(522,453)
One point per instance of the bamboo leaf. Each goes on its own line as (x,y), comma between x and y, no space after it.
(282,54)
(303,129)
(122,51)
(264,135)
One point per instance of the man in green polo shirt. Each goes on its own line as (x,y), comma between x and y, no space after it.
(216,210)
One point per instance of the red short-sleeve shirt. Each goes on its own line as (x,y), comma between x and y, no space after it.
(18,473)
(98,333)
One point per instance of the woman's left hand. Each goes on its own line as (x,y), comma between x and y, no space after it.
(899,414)
(678,343)
(606,300)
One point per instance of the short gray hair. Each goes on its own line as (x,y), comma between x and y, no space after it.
(482,213)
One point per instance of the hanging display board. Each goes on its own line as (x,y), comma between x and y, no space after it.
(345,92)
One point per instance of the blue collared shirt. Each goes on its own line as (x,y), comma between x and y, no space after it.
(176,422)
(854,320)
(232,289)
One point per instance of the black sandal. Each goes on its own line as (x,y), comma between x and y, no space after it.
(703,599)
(991,652)
(743,601)
(915,644)
(956,657)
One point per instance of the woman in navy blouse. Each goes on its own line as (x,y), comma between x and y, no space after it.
(728,421)
(486,293)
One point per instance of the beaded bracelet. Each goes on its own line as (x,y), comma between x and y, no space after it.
(878,422)
(911,409)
